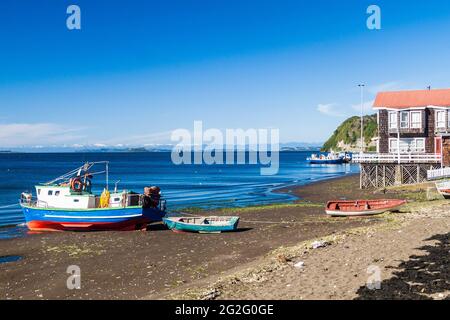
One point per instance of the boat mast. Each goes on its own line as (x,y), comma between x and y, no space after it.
(107,175)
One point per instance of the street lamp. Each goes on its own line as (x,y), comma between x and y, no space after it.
(361,86)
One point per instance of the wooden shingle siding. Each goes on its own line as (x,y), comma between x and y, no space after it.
(383,129)
(429,142)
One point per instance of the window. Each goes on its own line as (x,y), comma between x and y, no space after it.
(57,193)
(404,145)
(416,119)
(116,199)
(393,145)
(392,120)
(420,145)
(411,145)
(39,191)
(76,200)
(50,192)
(404,120)
(440,119)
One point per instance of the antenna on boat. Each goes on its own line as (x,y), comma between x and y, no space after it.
(115,186)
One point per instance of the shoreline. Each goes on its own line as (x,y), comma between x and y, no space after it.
(157,263)
(20,229)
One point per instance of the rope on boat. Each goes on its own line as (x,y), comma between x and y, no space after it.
(272,222)
(9,206)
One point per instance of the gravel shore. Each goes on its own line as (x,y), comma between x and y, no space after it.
(159,264)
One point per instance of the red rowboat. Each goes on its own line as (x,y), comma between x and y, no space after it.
(362,207)
(443,187)
(445,193)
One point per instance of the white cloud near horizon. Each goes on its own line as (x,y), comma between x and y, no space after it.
(51,134)
(30,134)
(330,109)
(141,140)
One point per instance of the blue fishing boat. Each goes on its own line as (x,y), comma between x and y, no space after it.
(68,203)
(201,224)
(330,158)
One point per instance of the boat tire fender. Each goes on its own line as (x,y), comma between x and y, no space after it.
(76,185)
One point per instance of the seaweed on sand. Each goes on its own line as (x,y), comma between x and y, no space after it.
(422,277)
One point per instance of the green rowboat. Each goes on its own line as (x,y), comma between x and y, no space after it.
(201,224)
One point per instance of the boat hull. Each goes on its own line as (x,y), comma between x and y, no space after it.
(49,219)
(445,193)
(443,188)
(375,207)
(178,226)
(334,213)
(334,161)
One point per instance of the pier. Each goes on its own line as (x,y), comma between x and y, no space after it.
(384,170)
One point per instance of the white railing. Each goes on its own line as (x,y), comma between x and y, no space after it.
(438,173)
(395,158)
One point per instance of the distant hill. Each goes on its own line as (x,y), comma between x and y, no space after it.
(290,146)
(300,146)
(347,136)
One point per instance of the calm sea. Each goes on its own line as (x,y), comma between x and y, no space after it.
(183,186)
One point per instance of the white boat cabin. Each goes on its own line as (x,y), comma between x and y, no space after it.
(54,196)
(73,190)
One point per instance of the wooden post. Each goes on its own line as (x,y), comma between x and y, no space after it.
(398,175)
(360,175)
(376,176)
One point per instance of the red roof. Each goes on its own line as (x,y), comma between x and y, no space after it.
(411,99)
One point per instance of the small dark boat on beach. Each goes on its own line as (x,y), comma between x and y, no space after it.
(201,224)
(362,207)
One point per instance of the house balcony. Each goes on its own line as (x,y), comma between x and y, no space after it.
(394,158)
(395,131)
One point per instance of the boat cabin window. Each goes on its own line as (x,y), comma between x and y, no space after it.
(50,192)
(57,193)
(76,200)
(116,199)
(39,191)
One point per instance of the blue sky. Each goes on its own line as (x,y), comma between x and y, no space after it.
(139,69)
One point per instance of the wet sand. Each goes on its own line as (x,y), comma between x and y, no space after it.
(161,264)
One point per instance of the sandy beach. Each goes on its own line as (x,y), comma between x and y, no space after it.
(257,262)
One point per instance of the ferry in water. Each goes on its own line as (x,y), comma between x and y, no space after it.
(68,203)
(330,158)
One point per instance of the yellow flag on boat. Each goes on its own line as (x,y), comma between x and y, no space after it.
(104,199)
